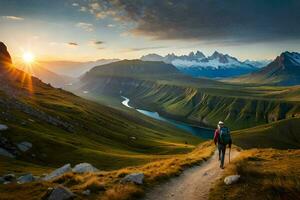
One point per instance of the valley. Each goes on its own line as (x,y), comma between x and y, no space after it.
(149,100)
(43,116)
(139,114)
(196,101)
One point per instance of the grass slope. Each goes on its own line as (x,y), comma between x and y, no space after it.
(199,101)
(265,174)
(65,128)
(283,134)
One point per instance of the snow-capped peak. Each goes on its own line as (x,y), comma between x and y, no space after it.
(199,60)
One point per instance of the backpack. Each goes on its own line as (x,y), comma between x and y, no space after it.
(225,137)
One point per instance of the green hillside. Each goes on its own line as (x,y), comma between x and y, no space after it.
(283,134)
(64,128)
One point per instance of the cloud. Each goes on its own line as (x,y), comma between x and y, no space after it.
(75,4)
(111,25)
(239,21)
(95,6)
(15,18)
(73,44)
(85,26)
(98,42)
(83,9)
(145,48)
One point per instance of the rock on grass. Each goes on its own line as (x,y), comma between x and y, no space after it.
(136,178)
(231,179)
(58,172)
(84,168)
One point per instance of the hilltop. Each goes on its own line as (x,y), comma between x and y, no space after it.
(283,71)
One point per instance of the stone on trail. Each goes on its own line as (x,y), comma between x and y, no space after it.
(231,179)
(84,168)
(61,193)
(25,179)
(58,172)
(136,178)
(24,146)
(3,127)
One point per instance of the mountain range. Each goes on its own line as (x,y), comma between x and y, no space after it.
(284,70)
(217,65)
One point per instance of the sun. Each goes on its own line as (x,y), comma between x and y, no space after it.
(28,57)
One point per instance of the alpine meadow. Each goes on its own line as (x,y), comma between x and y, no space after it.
(149,100)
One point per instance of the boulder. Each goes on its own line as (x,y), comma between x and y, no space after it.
(136,178)
(9,177)
(231,179)
(58,172)
(24,146)
(4,152)
(61,193)
(84,168)
(25,179)
(86,192)
(3,127)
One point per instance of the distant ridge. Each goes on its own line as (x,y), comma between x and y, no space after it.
(199,65)
(283,71)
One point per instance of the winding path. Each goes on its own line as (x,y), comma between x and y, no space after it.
(193,184)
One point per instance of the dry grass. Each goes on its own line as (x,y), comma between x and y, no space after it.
(265,174)
(122,192)
(106,185)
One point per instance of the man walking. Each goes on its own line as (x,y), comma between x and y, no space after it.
(222,138)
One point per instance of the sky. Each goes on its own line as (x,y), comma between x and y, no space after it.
(83,30)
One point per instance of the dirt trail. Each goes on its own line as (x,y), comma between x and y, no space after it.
(193,184)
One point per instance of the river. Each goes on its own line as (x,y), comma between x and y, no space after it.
(204,133)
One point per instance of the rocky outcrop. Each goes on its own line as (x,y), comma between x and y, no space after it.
(136,178)
(12,103)
(58,172)
(5,58)
(84,168)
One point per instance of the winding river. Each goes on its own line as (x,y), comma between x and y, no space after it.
(204,133)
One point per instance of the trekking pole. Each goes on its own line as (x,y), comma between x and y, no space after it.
(229,154)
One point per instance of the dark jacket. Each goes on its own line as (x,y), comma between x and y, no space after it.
(216,137)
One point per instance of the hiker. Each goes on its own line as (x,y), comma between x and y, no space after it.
(222,138)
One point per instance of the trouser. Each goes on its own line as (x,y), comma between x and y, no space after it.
(222,150)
